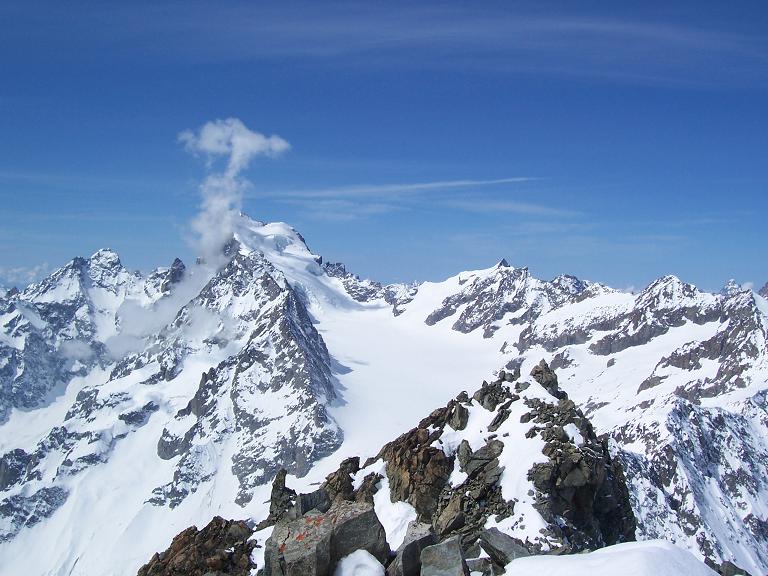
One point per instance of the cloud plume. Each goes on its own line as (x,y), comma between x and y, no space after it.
(222,191)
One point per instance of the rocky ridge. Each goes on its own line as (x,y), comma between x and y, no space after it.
(450,469)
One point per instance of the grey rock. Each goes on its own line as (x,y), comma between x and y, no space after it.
(407,561)
(444,559)
(459,417)
(317,500)
(451,518)
(502,548)
(483,456)
(356,527)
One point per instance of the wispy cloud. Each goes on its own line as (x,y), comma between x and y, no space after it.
(381,190)
(23,275)
(512,37)
(480,205)
(355,202)
(336,210)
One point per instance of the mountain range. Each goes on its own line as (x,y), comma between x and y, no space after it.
(135,405)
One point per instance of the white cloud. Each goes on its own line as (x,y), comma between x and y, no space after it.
(222,192)
(24,275)
(232,139)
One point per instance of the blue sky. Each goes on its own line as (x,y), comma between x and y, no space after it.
(617,141)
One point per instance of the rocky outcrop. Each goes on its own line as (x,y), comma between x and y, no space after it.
(583,492)
(580,490)
(222,547)
(417,471)
(312,544)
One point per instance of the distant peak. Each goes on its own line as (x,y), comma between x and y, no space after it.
(731,287)
(105,257)
(503,264)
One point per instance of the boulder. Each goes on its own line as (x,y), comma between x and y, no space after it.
(407,561)
(451,518)
(300,547)
(356,527)
(313,544)
(502,548)
(444,559)
(483,456)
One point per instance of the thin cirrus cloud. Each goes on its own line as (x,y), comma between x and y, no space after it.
(379,190)
(480,205)
(369,200)
(630,47)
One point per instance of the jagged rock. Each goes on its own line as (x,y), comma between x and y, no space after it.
(499,419)
(451,517)
(281,500)
(502,548)
(444,559)
(464,454)
(407,561)
(317,500)
(222,547)
(338,484)
(491,395)
(483,457)
(368,488)
(545,376)
(417,472)
(313,544)
(459,417)
(582,488)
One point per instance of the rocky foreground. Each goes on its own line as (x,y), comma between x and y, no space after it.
(454,475)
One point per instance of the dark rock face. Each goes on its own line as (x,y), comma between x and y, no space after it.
(20,511)
(407,561)
(283,345)
(583,493)
(312,545)
(418,472)
(688,469)
(444,559)
(222,547)
(396,295)
(764,291)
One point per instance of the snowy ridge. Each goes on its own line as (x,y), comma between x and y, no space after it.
(154,401)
